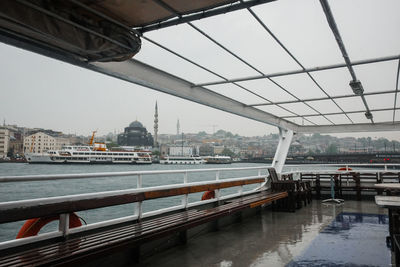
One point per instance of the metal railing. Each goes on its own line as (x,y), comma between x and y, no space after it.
(368,176)
(304,167)
(64,205)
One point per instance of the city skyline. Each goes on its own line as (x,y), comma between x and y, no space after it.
(42,92)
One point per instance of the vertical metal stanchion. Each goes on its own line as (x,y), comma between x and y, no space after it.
(63,225)
(186,196)
(139,204)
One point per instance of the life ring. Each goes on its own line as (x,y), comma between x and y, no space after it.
(208,195)
(32,227)
(345,169)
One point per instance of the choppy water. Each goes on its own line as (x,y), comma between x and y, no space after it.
(39,189)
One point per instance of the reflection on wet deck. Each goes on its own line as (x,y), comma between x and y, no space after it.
(352,239)
(320,234)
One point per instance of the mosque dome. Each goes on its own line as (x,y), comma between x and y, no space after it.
(136,124)
(135,135)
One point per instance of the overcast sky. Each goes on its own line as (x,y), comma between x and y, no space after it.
(40,92)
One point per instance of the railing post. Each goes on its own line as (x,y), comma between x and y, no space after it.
(139,210)
(259,175)
(217,195)
(186,196)
(63,225)
(385,167)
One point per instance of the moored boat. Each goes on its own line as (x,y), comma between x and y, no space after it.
(90,155)
(218,159)
(182,160)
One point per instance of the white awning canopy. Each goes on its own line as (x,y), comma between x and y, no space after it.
(307,66)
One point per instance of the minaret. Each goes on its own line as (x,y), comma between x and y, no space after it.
(156,126)
(177,128)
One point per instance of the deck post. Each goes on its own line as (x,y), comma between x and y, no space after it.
(285,138)
(138,208)
(63,225)
(318,186)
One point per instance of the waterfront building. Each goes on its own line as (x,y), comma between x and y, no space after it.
(135,135)
(206,149)
(218,150)
(41,142)
(16,146)
(183,150)
(4,141)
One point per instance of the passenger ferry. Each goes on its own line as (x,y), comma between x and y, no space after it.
(90,155)
(182,160)
(218,159)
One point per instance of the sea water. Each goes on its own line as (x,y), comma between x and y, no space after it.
(42,189)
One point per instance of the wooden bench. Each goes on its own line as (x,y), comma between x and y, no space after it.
(83,247)
(299,191)
(348,182)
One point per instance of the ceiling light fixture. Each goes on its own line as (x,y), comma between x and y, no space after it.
(368,115)
(357,87)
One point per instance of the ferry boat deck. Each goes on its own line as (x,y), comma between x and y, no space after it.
(301,66)
(351,234)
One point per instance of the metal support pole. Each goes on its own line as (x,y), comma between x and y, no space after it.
(217,193)
(63,225)
(185,196)
(139,210)
(285,138)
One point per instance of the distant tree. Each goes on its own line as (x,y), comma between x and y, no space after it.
(229,134)
(202,133)
(111,145)
(220,133)
(228,152)
(156,153)
(332,149)
(316,136)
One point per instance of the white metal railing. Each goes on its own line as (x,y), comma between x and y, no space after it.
(304,167)
(349,181)
(63,229)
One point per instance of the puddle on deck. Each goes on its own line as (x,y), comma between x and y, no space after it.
(352,239)
(351,234)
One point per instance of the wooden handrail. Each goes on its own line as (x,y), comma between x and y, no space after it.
(26,209)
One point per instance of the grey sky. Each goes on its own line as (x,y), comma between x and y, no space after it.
(41,92)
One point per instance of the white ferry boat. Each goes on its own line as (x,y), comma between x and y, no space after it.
(182,160)
(90,155)
(218,159)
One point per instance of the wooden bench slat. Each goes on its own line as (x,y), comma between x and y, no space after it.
(75,241)
(147,228)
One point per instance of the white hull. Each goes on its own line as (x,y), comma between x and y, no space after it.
(218,160)
(90,157)
(182,160)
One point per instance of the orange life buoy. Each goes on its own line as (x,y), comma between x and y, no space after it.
(208,195)
(32,227)
(344,169)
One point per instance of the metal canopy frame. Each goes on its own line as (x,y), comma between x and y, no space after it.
(143,74)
